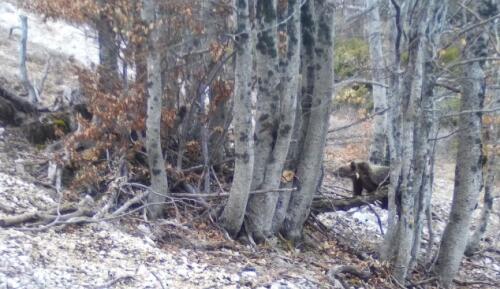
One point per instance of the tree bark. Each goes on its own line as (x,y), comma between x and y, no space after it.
(232,216)
(23,70)
(108,50)
(375,40)
(261,207)
(468,176)
(159,183)
(309,166)
(468,171)
(410,149)
(291,119)
(489,197)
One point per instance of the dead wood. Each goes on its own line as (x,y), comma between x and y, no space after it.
(352,270)
(18,103)
(323,204)
(63,213)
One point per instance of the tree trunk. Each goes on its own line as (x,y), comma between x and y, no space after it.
(410,165)
(309,166)
(468,176)
(280,125)
(489,185)
(387,250)
(290,80)
(261,207)
(108,50)
(378,146)
(23,70)
(492,142)
(468,170)
(159,184)
(232,217)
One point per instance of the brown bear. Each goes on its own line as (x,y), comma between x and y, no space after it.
(364,176)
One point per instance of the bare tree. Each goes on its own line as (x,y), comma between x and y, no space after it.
(468,171)
(232,217)
(159,183)
(408,139)
(310,161)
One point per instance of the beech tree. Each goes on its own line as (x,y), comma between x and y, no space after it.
(158,174)
(409,131)
(234,211)
(310,160)
(469,162)
(375,40)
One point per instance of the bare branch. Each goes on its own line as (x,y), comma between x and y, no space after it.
(358,121)
(347,82)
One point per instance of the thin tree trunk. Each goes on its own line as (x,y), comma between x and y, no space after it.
(23,70)
(410,168)
(309,166)
(159,184)
(232,217)
(378,146)
(393,120)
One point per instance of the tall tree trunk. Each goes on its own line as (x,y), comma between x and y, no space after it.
(266,121)
(409,167)
(493,144)
(291,119)
(426,125)
(378,146)
(159,184)
(274,132)
(387,250)
(468,176)
(232,217)
(108,50)
(468,171)
(309,165)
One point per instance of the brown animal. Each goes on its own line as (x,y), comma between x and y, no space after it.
(364,176)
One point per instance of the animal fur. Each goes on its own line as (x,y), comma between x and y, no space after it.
(364,176)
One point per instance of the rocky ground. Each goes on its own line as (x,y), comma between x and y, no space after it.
(184,252)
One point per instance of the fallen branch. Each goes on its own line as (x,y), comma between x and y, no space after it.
(352,270)
(216,195)
(322,204)
(476,282)
(115,280)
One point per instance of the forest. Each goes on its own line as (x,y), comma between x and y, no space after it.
(249,144)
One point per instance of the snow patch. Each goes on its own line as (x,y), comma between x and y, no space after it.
(57,36)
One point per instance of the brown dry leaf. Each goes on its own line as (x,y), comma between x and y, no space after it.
(287,176)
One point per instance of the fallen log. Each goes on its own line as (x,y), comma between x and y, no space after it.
(18,103)
(324,204)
